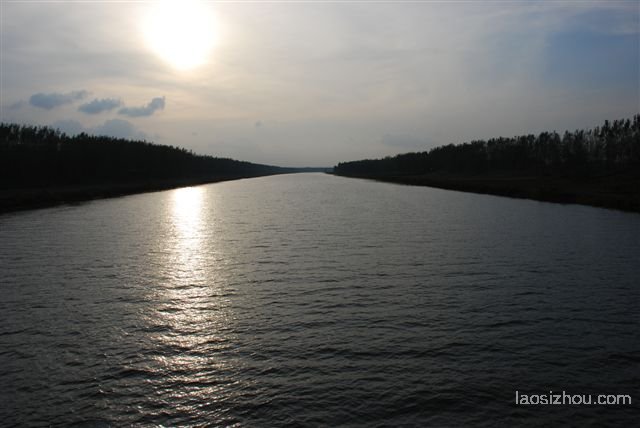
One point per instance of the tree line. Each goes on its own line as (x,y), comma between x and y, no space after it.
(40,155)
(612,147)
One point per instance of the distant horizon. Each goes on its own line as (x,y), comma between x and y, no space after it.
(296,85)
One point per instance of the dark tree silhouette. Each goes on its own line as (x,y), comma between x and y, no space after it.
(611,148)
(42,156)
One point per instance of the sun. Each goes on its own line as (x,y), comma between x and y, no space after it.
(182,33)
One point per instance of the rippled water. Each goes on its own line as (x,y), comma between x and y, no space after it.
(316,300)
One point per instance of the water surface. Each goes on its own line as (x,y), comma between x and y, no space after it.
(312,300)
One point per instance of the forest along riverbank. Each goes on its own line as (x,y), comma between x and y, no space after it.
(599,166)
(618,191)
(41,167)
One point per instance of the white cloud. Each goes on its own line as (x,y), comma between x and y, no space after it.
(118,128)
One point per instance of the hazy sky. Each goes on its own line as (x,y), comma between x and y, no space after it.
(314,83)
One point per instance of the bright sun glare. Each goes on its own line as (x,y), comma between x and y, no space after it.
(182,33)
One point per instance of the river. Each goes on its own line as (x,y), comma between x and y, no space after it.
(316,300)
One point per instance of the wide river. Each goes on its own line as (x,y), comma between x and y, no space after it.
(315,300)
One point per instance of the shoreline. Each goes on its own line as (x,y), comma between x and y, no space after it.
(38,197)
(616,191)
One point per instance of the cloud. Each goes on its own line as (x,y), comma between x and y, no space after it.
(49,101)
(155,104)
(99,105)
(383,80)
(69,127)
(117,128)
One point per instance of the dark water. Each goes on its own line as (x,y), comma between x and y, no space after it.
(316,300)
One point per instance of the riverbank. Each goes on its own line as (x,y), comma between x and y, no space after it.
(620,191)
(19,199)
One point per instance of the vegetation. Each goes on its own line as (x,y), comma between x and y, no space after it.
(40,166)
(599,166)
(612,147)
(34,156)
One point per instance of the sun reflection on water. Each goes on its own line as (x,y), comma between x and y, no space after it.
(191,321)
(186,211)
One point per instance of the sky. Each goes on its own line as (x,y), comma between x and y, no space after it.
(316,83)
